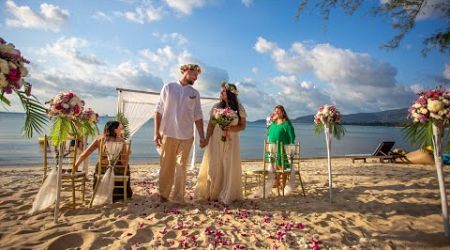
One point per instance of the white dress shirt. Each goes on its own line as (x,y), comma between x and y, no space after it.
(179,107)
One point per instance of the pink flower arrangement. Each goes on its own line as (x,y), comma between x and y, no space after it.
(89,115)
(12,69)
(269,120)
(431,105)
(327,114)
(65,105)
(224,118)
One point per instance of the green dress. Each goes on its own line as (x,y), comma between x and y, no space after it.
(283,133)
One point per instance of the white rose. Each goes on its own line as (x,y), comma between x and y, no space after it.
(415,115)
(3,82)
(416,105)
(433,115)
(12,65)
(4,68)
(65,105)
(23,70)
(75,101)
(435,106)
(423,111)
(445,101)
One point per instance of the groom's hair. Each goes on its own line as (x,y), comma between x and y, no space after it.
(110,126)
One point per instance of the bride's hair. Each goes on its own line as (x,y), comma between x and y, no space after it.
(110,126)
(231,98)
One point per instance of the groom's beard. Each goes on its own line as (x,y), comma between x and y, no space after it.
(190,82)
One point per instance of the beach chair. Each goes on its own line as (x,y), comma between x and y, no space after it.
(120,171)
(72,180)
(382,153)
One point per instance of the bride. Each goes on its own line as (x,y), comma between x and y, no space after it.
(220,173)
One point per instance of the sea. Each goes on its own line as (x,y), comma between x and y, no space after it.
(16,150)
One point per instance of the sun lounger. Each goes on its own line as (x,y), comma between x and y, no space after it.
(382,153)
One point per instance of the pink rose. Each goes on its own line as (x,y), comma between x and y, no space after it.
(13,75)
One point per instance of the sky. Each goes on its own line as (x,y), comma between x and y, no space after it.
(94,47)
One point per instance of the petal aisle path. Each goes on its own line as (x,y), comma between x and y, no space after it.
(376,206)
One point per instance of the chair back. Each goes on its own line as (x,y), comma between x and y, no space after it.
(122,162)
(293,152)
(384,148)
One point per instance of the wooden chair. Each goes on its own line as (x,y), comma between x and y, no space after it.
(72,179)
(122,167)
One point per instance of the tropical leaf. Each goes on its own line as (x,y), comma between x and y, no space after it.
(337,130)
(4,100)
(418,134)
(60,130)
(122,119)
(35,114)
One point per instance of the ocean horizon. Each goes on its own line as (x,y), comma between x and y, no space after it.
(15,150)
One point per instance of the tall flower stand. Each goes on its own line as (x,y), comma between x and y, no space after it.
(438,134)
(327,129)
(59,181)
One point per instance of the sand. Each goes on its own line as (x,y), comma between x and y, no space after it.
(375,206)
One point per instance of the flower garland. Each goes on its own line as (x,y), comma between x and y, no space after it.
(230,88)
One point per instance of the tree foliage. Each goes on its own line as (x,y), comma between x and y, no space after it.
(403,15)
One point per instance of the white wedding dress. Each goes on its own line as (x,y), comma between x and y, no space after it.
(220,173)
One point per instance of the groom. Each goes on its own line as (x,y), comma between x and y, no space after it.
(176,112)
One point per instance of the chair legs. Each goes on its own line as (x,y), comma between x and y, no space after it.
(301,182)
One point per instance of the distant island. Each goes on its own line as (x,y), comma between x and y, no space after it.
(391,118)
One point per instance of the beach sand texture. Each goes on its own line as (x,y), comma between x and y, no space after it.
(376,206)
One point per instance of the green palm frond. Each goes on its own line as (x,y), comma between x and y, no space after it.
(35,114)
(421,135)
(337,130)
(60,130)
(122,119)
(4,100)
(418,134)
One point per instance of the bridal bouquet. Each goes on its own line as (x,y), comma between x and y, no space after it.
(269,120)
(223,118)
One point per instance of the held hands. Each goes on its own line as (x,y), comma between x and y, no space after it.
(203,142)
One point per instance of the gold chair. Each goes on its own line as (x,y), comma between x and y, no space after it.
(72,179)
(259,177)
(292,153)
(121,169)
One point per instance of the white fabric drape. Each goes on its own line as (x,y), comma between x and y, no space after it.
(47,193)
(139,106)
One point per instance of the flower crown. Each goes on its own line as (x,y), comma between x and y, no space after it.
(185,67)
(230,88)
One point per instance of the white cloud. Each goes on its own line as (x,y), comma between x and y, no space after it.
(185,6)
(433,9)
(174,37)
(446,72)
(51,17)
(102,16)
(255,70)
(162,58)
(64,65)
(346,77)
(247,3)
(142,14)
